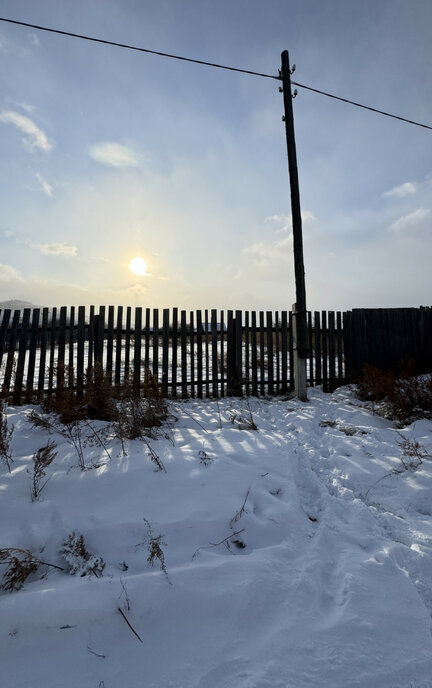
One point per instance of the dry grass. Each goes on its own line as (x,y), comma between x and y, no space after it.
(404,395)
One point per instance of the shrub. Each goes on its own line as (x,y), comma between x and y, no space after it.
(79,559)
(42,458)
(20,564)
(6,433)
(96,401)
(139,411)
(405,396)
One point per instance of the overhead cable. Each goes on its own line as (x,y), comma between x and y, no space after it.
(212,64)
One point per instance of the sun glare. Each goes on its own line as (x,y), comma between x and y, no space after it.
(138,266)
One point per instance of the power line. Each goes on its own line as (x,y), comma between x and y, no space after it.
(365,107)
(213,64)
(141,50)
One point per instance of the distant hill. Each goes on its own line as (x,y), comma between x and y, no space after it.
(16,304)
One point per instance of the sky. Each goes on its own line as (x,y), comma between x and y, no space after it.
(108,154)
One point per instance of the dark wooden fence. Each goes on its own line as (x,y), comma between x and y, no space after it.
(383,337)
(191,354)
(201,353)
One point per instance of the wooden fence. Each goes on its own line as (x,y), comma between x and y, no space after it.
(191,354)
(201,354)
(383,337)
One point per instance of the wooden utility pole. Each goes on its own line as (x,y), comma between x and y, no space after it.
(299,308)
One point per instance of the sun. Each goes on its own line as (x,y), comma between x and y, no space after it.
(138,266)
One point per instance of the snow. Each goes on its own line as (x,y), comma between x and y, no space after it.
(329,584)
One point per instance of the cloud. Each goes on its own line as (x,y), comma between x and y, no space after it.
(264,252)
(113,155)
(25,106)
(413,220)
(10,274)
(33,137)
(46,188)
(284,222)
(34,39)
(61,249)
(401,191)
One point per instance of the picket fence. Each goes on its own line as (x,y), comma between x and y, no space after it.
(199,354)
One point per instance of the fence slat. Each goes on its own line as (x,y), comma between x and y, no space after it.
(147,337)
(199,355)
(4,332)
(71,341)
(183,345)
(192,355)
(165,349)
(52,351)
(11,352)
(277,352)
(110,343)
(317,339)
(155,359)
(61,348)
(137,349)
(247,353)
(100,336)
(222,355)
(174,352)
(340,375)
(207,363)
(291,350)
(80,349)
(230,352)
(128,335)
(43,351)
(331,351)
(310,341)
(238,358)
(254,354)
(270,362)
(262,352)
(284,351)
(32,354)
(118,354)
(214,349)
(324,336)
(22,350)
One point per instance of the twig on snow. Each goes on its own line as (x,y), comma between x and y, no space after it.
(130,626)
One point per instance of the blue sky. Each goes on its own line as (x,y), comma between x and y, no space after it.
(107,154)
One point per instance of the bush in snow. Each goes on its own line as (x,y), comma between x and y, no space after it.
(6,433)
(20,564)
(42,458)
(139,409)
(404,396)
(154,546)
(79,559)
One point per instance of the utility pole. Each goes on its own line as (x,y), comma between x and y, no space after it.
(301,348)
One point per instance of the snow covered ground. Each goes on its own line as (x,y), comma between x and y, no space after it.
(323,574)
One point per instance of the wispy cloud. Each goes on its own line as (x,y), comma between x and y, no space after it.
(283,223)
(10,274)
(33,137)
(35,40)
(25,106)
(113,154)
(410,221)
(46,188)
(407,189)
(60,249)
